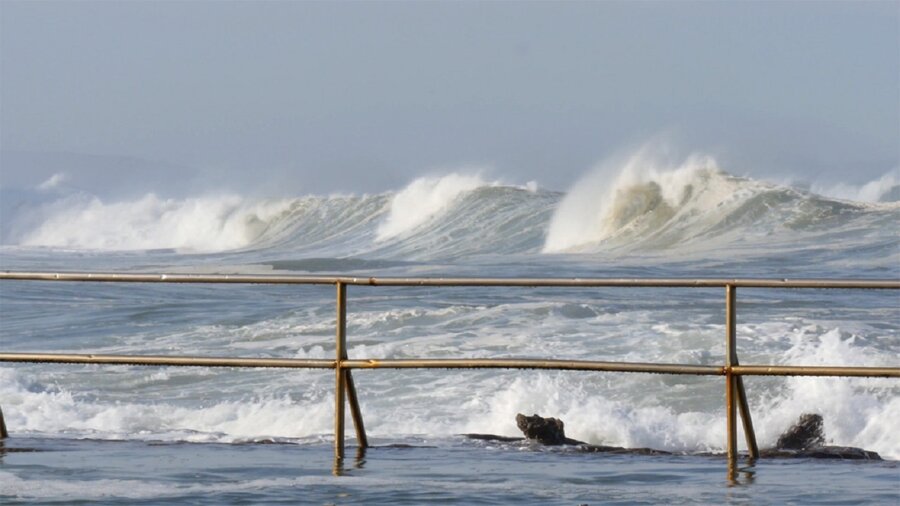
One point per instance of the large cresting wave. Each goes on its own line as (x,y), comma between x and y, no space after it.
(638,203)
(646,202)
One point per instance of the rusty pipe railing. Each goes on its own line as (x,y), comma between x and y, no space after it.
(735,395)
(484,282)
(451,363)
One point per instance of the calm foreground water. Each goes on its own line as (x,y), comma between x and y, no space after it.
(203,435)
(141,472)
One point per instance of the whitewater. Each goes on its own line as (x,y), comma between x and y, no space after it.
(631,217)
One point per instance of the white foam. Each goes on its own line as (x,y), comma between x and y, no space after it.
(57,411)
(640,194)
(619,410)
(662,412)
(202,224)
(856,412)
(424,199)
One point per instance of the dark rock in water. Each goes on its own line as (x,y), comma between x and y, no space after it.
(803,440)
(822,452)
(805,434)
(494,437)
(580,447)
(547,431)
(840,452)
(806,439)
(619,450)
(401,446)
(551,431)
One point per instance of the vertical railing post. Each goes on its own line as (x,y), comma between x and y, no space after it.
(361,440)
(736,389)
(730,390)
(344,381)
(746,420)
(339,378)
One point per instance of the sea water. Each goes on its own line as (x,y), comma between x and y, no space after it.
(218,435)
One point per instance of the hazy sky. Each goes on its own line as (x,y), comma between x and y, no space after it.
(348,96)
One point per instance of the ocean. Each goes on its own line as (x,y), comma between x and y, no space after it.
(131,434)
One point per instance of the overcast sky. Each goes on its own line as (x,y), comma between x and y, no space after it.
(347,96)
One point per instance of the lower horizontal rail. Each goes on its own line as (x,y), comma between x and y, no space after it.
(456,363)
(73,358)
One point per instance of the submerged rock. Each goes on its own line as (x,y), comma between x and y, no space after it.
(822,452)
(494,437)
(620,450)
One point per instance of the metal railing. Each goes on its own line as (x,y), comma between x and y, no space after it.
(345,390)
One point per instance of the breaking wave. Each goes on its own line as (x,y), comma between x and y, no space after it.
(639,203)
(884,189)
(646,202)
(194,224)
(422,200)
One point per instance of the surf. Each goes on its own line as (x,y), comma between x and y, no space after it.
(637,203)
(646,201)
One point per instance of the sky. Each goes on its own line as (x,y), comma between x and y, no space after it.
(365,96)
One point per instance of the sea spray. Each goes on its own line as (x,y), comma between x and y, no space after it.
(150,222)
(637,206)
(629,201)
(424,199)
(883,189)
(645,203)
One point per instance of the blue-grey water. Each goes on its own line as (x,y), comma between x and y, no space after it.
(138,472)
(203,435)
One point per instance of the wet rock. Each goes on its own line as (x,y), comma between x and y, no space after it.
(547,431)
(840,452)
(494,437)
(807,433)
(620,450)
(401,446)
(806,439)
(822,452)
(803,440)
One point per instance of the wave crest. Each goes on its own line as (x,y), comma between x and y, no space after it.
(640,197)
(199,224)
(638,204)
(422,200)
(884,189)
(645,203)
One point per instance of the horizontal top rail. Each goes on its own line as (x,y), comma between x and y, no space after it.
(458,363)
(439,281)
(171,360)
